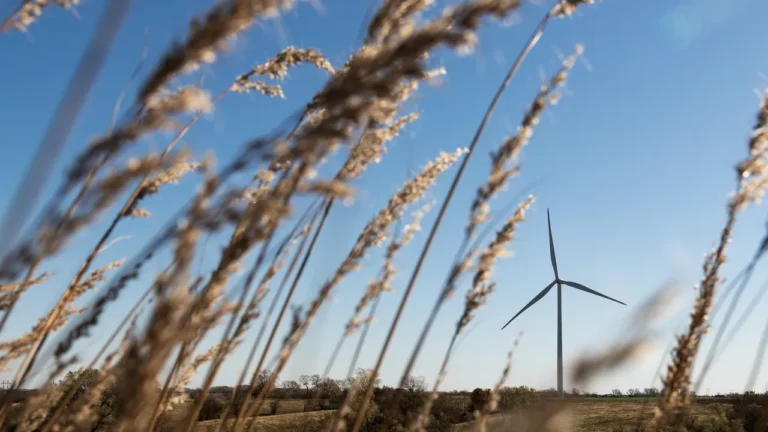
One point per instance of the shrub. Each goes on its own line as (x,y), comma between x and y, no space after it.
(723,421)
(511,398)
(408,404)
(331,394)
(274,406)
(213,408)
(753,416)
(372,415)
(446,411)
(479,398)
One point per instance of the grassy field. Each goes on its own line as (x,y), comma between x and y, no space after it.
(604,415)
(597,415)
(582,415)
(287,406)
(297,422)
(619,399)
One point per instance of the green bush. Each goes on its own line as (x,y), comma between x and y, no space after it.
(447,411)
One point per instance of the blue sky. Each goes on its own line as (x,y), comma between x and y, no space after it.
(635,163)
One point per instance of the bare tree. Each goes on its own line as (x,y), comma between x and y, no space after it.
(363,377)
(414,383)
(305,380)
(316,380)
(262,380)
(291,387)
(651,391)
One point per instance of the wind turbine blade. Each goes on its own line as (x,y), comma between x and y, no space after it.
(552,247)
(535,299)
(590,290)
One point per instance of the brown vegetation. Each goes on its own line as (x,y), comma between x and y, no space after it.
(138,379)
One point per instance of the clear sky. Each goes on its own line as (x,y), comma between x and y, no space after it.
(635,163)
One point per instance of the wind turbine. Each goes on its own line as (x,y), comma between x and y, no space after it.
(559,282)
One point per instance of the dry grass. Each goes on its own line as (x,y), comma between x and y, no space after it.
(588,415)
(298,422)
(285,406)
(362,106)
(598,416)
(602,415)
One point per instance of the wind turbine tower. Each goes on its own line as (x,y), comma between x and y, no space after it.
(559,282)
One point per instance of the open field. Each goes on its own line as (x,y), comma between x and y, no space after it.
(604,415)
(287,406)
(297,422)
(583,415)
(598,415)
(618,399)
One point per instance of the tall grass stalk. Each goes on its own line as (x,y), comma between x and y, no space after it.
(360,108)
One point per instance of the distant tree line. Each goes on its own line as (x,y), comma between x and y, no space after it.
(395,406)
(632,392)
